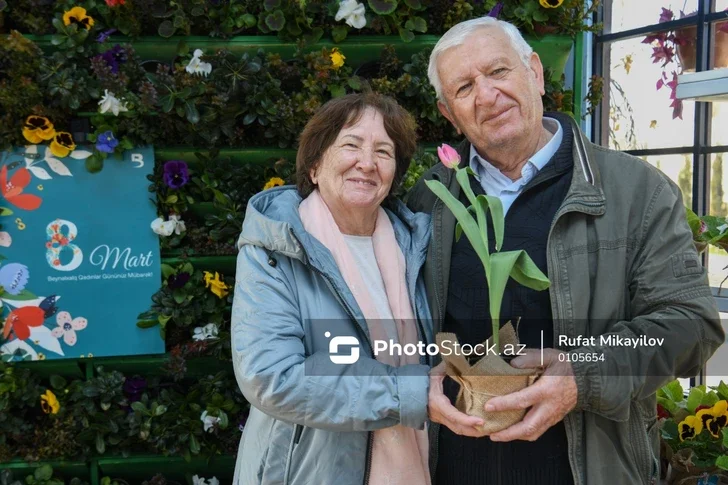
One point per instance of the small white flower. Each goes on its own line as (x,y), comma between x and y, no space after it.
(353,12)
(208,422)
(196,66)
(166,228)
(213,481)
(162,227)
(198,480)
(110,103)
(207,332)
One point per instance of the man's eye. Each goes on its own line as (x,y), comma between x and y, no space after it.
(498,71)
(463,88)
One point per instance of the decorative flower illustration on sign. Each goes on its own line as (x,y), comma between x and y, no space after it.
(20,320)
(12,190)
(13,278)
(68,327)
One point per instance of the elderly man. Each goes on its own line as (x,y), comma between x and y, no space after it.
(609,231)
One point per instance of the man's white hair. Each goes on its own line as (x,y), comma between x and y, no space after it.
(456,36)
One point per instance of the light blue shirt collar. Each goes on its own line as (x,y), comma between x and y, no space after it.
(494,182)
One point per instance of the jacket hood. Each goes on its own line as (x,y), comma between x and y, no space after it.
(273,223)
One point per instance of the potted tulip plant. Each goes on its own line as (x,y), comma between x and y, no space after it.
(491,375)
(694,433)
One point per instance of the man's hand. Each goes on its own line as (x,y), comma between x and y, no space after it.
(550,398)
(443,412)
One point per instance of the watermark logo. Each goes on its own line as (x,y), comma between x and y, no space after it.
(337,342)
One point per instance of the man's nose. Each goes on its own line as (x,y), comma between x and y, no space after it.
(486,93)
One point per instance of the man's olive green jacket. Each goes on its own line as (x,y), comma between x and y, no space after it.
(621,261)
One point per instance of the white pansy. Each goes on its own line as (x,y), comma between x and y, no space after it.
(179,224)
(207,332)
(162,227)
(353,12)
(165,228)
(196,66)
(208,421)
(111,103)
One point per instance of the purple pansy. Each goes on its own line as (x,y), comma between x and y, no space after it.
(104,35)
(177,281)
(113,57)
(106,142)
(134,387)
(176,174)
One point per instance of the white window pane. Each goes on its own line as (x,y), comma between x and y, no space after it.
(717,368)
(640,115)
(630,14)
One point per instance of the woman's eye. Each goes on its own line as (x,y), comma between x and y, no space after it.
(384,152)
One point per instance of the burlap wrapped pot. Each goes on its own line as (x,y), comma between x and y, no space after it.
(489,377)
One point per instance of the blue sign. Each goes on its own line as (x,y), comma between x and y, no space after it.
(78,259)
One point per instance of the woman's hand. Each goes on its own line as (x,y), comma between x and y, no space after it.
(443,412)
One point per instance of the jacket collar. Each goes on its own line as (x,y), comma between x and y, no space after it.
(585,193)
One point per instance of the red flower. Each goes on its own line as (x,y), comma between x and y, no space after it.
(702,407)
(115,3)
(13,190)
(21,319)
(662,413)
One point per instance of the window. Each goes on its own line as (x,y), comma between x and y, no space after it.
(687,141)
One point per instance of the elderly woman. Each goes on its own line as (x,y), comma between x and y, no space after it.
(324,271)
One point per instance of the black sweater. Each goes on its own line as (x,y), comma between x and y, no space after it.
(477,461)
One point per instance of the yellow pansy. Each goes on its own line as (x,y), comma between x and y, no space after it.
(273,182)
(337,58)
(690,428)
(715,418)
(38,128)
(216,286)
(62,144)
(550,3)
(49,403)
(77,15)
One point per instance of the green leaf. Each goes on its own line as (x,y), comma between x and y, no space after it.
(337,91)
(147,323)
(167,270)
(223,424)
(179,296)
(722,390)
(406,35)
(294,29)
(100,445)
(693,221)
(193,116)
(464,182)
(58,382)
(171,199)
(528,274)
(494,204)
(694,399)
(354,83)
(710,399)
(4,211)
(722,462)
(197,11)
(674,391)
(668,404)
(420,25)
(470,228)
(540,16)
(275,21)
(249,118)
(139,407)
(669,430)
(183,48)
(314,36)
(270,5)
(194,445)
(44,472)
(458,231)
(167,103)
(725,437)
(339,33)
(24,295)
(383,7)
(160,409)
(166,29)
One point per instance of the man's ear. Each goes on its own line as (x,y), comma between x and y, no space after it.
(535,65)
(446,113)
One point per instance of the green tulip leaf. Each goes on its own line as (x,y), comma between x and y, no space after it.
(528,274)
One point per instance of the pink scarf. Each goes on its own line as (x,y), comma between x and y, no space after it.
(399,453)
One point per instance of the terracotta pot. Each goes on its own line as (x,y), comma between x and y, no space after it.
(686,50)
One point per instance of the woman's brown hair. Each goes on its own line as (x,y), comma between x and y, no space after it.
(322,129)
